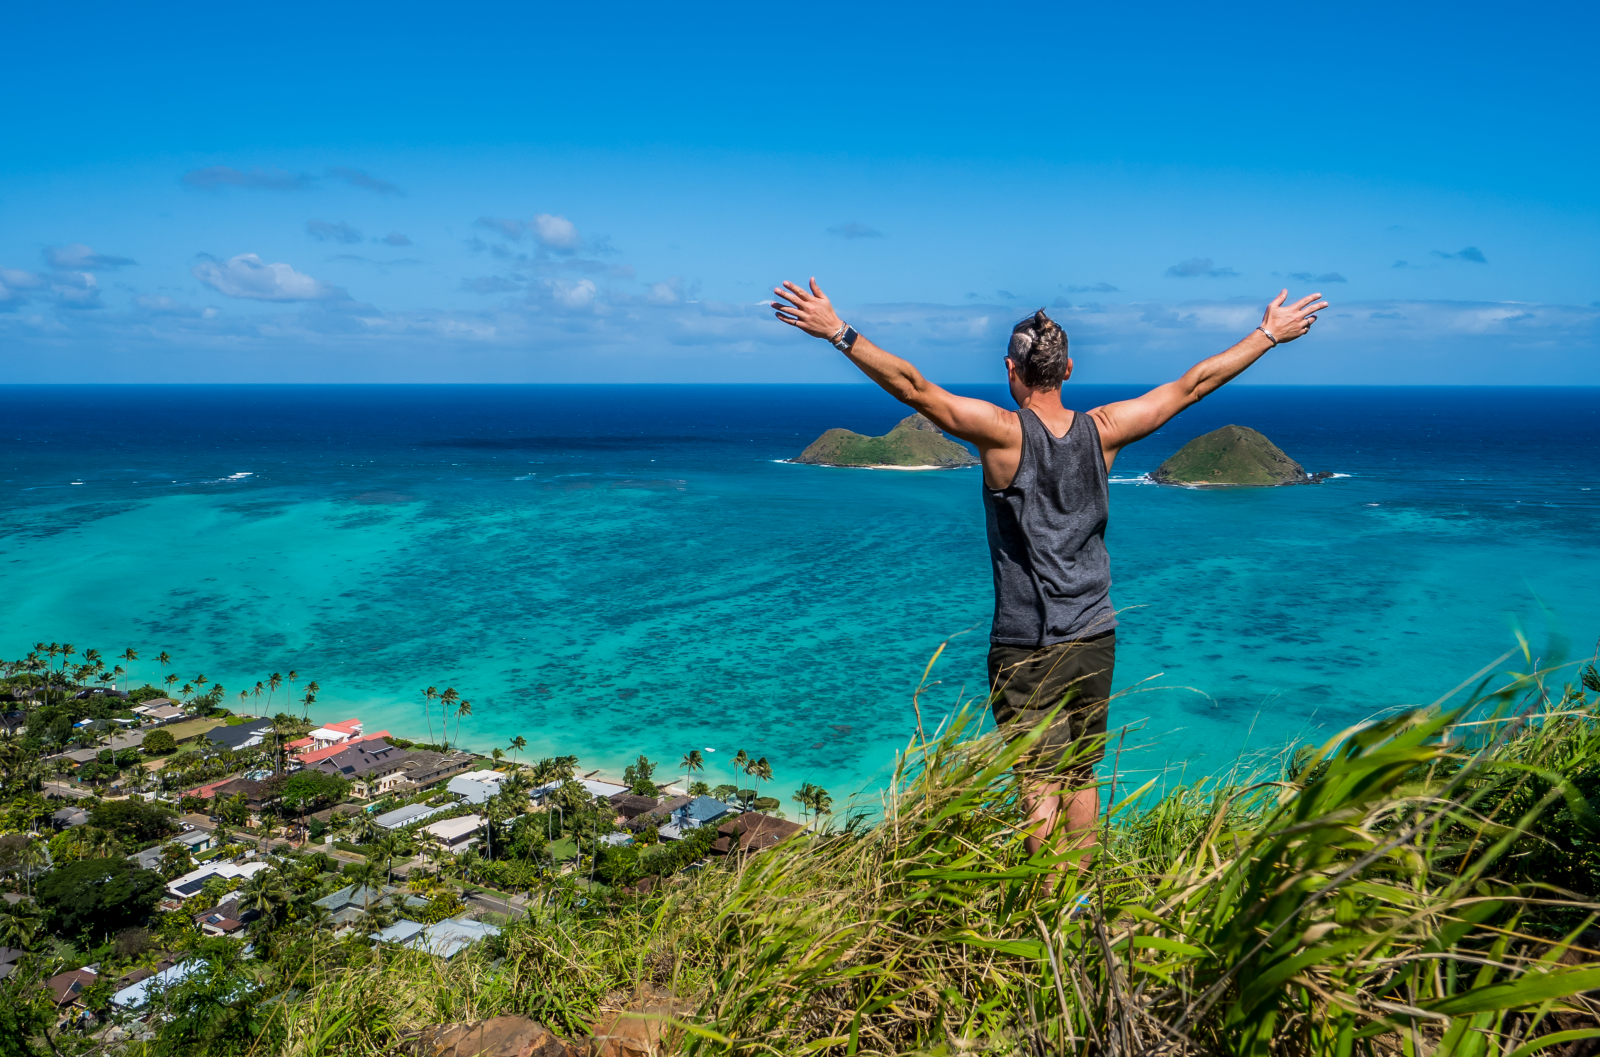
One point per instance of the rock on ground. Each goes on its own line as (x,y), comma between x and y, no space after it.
(643,1028)
(499,1037)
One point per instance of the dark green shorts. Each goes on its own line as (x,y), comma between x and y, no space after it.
(1027,682)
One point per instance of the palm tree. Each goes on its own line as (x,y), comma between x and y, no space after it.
(463,709)
(761,771)
(268,824)
(517,744)
(273,682)
(265,893)
(387,847)
(448,698)
(169,680)
(32,858)
(691,762)
(19,923)
(130,656)
(566,767)
(802,796)
(497,755)
(200,680)
(428,697)
(312,689)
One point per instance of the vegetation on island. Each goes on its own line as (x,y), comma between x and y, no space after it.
(1422,883)
(1232,456)
(914,441)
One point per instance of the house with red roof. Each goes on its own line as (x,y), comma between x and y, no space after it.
(311,757)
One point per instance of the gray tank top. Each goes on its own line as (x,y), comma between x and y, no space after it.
(1052,576)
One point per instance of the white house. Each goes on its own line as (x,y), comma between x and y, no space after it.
(335,733)
(476,786)
(456,834)
(191,883)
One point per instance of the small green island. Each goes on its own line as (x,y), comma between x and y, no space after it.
(913,444)
(1233,457)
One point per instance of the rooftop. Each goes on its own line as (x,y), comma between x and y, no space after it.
(704,809)
(136,995)
(404,816)
(318,755)
(192,882)
(452,829)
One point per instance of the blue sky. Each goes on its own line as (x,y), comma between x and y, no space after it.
(534,193)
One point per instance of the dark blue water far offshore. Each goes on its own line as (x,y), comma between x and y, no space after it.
(608,570)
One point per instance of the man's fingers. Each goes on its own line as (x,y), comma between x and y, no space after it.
(1304,301)
(798,293)
(787,319)
(1317,307)
(788,298)
(1279,300)
(817,290)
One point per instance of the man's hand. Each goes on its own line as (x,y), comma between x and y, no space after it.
(812,313)
(1287,322)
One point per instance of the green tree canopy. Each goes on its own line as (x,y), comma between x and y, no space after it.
(159,743)
(637,776)
(133,820)
(102,896)
(308,790)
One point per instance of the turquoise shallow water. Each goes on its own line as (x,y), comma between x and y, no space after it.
(608,572)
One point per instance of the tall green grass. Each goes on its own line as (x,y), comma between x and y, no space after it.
(1380,893)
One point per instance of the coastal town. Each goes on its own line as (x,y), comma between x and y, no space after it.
(145,826)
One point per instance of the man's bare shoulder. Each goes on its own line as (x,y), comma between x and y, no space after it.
(976,421)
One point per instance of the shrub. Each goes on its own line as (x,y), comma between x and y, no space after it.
(159,743)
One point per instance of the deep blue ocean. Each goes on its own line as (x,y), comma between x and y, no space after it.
(614,570)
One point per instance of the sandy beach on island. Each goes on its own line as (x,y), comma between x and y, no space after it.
(875,466)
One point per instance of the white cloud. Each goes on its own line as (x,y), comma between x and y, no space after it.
(162,305)
(324,231)
(217,177)
(554,233)
(365,181)
(1199,266)
(16,285)
(246,276)
(669,292)
(572,295)
(565,325)
(76,289)
(77,257)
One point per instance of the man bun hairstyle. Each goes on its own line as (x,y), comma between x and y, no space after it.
(1039,350)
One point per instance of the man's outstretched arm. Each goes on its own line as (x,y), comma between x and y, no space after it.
(977,421)
(1126,421)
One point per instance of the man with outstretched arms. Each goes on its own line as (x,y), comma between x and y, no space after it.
(1046,502)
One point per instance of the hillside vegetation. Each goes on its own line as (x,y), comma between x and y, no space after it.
(914,441)
(1421,884)
(1232,455)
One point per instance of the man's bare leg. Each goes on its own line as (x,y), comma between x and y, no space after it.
(1046,802)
